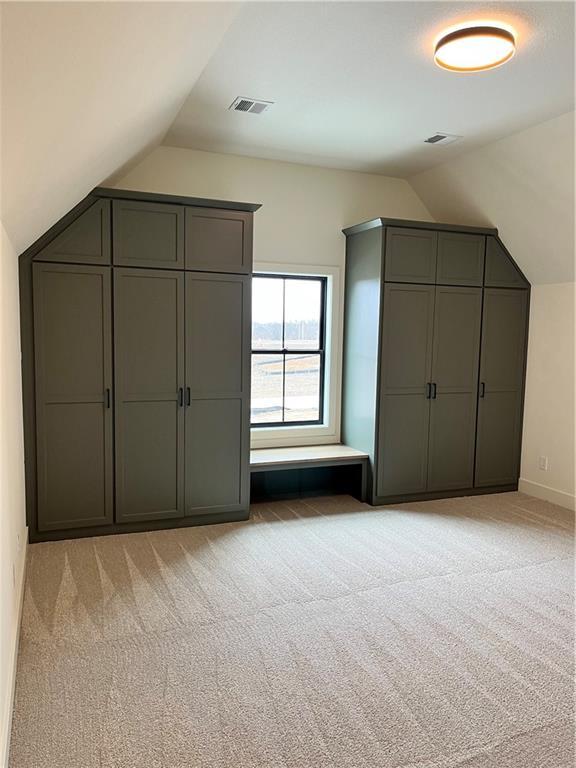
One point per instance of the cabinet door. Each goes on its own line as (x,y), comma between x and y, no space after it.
(501,272)
(410,255)
(73,348)
(502,359)
(218,241)
(218,391)
(406,355)
(85,241)
(456,349)
(460,259)
(149,361)
(148,234)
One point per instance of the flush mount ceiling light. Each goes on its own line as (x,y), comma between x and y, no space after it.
(475,47)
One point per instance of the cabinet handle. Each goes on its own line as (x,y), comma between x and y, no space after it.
(482,388)
(107,398)
(188,397)
(428,391)
(433,390)
(180,397)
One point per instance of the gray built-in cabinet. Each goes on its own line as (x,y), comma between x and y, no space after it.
(136,365)
(434,358)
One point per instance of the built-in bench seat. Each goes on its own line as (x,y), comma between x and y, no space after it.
(309,457)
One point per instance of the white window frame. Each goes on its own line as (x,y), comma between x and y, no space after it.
(329,431)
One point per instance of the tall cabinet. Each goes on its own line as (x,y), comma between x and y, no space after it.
(136,349)
(434,358)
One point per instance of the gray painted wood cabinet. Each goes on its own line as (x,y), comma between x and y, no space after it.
(149,354)
(405,366)
(140,370)
(433,371)
(148,234)
(87,240)
(502,362)
(218,392)
(73,343)
(218,241)
(454,378)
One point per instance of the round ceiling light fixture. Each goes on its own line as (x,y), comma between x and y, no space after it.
(475,47)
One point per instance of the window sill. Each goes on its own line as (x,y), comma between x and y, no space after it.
(285,437)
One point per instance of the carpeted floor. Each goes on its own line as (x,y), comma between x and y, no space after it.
(321,634)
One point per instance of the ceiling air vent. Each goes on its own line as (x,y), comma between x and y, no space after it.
(242,104)
(442,138)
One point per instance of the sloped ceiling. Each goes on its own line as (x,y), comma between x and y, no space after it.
(86,88)
(354,85)
(524,185)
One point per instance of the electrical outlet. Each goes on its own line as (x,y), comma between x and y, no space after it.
(543,463)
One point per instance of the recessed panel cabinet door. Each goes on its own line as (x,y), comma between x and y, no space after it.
(502,357)
(148,234)
(406,355)
(410,255)
(457,322)
(460,258)
(73,345)
(218,380)
(218,240)
(149,360)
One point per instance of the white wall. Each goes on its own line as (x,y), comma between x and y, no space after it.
(524,185)
(304,209)
(13,533)
(549,427)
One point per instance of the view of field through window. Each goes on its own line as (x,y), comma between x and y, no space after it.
(287,349)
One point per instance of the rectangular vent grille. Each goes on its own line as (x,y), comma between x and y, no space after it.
(242,104)
(442,138)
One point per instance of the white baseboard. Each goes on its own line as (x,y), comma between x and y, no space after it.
(561,498)
(6,727)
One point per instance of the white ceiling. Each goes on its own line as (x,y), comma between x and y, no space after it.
(355,87)
(86,88)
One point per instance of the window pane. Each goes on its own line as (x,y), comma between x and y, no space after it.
(267,312)
(266,399)
(302,395)
(302,314)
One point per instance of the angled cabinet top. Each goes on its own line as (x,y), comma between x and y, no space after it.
(86,240)
(501,271)
(430,253)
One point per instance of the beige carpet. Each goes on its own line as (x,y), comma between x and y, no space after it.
(322,634)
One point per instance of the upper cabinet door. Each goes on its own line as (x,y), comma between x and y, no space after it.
(410,255)
(460,259)
(148,234)
(85,241)
(73,346)
(501,272)
(218,241)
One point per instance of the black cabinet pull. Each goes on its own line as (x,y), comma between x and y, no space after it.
(107,393)
(188,397)
(482,388)
(428,391)
(433,390)
(180,397)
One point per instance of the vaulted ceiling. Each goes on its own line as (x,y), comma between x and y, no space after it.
(354,85)
(88,87)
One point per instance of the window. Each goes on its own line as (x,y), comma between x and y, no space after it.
(288,355)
